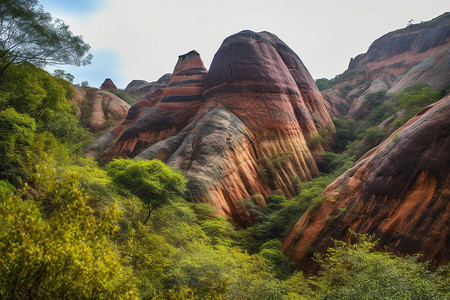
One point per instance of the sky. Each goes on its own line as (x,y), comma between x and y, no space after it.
(142,39)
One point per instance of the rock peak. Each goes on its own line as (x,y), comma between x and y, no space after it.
(108,84)
(188,61)
(192,52)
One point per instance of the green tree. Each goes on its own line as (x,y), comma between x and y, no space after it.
(63,75)
(153,182)
(357,271)
(52,246)
(29,34)
(33,92)
(17,133)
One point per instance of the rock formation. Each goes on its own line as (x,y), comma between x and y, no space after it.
(99,109)
(248,126)
(108,84)
(141,89)
(164,113)
(398,190)
(417,53)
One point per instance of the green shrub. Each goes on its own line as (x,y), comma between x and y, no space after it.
(16,138)
(64,255)
(124,96)
(153,182)
(357,271)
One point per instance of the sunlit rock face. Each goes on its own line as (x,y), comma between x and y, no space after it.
(419,53)
(99,109)
(248,126)
(165,112)
(108,84)
(398,190)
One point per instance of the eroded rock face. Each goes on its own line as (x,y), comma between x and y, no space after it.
(165,112)
(419,53)
(398,190)
(108,84)
(99,109)
(141,89)
(397,51)
(246,127)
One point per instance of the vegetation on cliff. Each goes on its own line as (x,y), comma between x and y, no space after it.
(69,228)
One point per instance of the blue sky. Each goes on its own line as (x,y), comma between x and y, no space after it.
(81,7)
(141,39)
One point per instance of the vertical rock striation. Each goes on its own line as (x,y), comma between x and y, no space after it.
(108,84)
(248,126)
(398,190)
(164,112)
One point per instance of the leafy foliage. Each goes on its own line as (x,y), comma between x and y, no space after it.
(354,138)
(30,35)
(72,229)
(414,101)
(65,255)
(16,137)
(356,270)
(153,182)
(32,91)
(58,73)
(348,75)
(124,96)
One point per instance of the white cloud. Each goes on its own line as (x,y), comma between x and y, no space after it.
(148,36)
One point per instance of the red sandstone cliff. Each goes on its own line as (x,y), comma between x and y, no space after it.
(398,190)
(99,109)
(108,84)
(246,127)
(417,53)
(141,89)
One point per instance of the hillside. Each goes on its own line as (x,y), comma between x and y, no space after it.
(398,191)
(398,187)
(419,53)
(249,180)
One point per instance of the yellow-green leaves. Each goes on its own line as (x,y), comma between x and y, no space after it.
(152,181)
(67,254)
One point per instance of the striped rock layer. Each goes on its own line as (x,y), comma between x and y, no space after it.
(399,190)
(248,126)
(418,53)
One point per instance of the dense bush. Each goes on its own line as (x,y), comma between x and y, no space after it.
(72,229)
(64,254)
(124,96)
(357,271)
(153,182)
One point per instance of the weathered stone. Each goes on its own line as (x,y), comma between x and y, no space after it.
(419,53)
(398,190)
(246,127)
(101,109)
(141,89)
(108,84)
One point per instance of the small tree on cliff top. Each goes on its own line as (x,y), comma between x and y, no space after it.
(152,181)
(29,34)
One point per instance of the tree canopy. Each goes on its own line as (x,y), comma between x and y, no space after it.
(29,34)
(153,182)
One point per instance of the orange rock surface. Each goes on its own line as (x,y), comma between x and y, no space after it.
(398,190)
(102,109)
(108,84)
(248,126)
(141,89)
(165,112)
(419,53)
